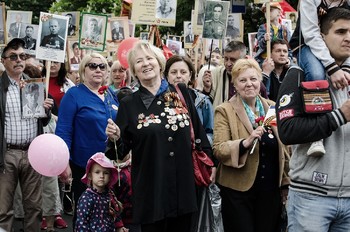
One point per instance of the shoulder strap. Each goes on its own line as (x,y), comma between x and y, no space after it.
(179,92)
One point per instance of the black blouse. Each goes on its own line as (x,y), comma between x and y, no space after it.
(158,134)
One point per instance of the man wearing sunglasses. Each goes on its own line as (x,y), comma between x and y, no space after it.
(16,134)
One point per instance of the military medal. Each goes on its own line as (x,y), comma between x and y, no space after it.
(167,126)
(139,126)
(182,124)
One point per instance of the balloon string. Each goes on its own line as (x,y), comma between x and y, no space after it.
(114,140)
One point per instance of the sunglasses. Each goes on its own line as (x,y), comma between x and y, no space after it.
(14,57)
(93,66)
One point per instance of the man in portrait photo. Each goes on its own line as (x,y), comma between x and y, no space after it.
(29,41)
(165,10)
(117,31)
(32,108)
(16,27)
(215,28)
(53,40)
(232,31)
(93,31)
(71,26)
(189,36)
(76,54)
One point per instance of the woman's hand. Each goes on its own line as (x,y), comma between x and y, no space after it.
(256,134)
(48,103)
(112,130)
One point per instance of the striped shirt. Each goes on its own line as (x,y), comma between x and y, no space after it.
(18,130)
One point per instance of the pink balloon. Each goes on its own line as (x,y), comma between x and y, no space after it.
(123,50)
(48,154)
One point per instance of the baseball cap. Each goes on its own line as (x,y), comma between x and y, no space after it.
(16,42)
(272,5)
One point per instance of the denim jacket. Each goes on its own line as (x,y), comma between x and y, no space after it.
(205,111)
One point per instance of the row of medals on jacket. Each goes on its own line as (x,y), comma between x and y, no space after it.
(177,117)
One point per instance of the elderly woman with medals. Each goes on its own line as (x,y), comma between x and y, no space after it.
(253,163)
(155,126)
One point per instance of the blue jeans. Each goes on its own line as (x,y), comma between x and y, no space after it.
(314,213)
(313,68)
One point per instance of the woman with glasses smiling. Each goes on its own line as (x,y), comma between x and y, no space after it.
(82,118)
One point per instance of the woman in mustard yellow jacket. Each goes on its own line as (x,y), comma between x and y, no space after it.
(251,177)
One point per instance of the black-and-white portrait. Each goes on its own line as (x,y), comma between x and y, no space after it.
(117,30)
(189,37)
(166,9)
(30,38)
(233,26)
(93,31)
(73,23)
(144,36)
(215,19)
(52,37)
(33,99)
(53,33)
(16,23)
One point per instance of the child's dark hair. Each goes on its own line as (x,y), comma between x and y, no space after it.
(123,92)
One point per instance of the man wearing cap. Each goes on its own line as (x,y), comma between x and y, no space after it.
(215,28)
(53,40)
(16,134)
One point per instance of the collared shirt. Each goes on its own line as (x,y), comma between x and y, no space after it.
(18,131)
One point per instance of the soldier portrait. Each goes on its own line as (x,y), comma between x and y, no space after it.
(215,19)
(93,31)
(31,32)
(233,26)
(33,99)
(55,35)
(117,30)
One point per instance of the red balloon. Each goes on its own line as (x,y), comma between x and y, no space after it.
(123,50)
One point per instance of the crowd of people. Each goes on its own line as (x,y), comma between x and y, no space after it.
(131,132)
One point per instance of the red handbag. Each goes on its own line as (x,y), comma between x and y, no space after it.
(202,164)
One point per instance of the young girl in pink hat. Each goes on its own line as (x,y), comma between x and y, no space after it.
(98,208)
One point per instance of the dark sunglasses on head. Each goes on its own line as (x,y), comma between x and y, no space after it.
(93,66)
(14,57)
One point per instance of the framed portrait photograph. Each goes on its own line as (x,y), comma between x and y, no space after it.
(288,24)
(215,19)
(74,54)
(144,36)
(33,95)
(15,23)
(93,31)
(155,12)
(52,36)
(293,16)
(131,29)
(117,29)
(2,23)
(233,29)
(30,39)
(174,37)
(252,40)
(73,23)
(174,46)
(188,34)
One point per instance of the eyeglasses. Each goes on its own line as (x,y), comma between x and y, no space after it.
(14,57)
(93,66)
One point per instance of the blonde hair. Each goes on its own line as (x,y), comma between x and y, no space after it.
(242,65)
(145,47)
(87,58)
(116,65)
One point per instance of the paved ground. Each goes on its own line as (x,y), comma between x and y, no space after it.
(67,218)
